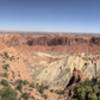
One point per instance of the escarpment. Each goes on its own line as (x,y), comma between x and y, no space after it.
(48,65)
(70,43)
(49,40)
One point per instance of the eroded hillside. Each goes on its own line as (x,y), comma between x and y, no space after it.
(71,43)
(48,62)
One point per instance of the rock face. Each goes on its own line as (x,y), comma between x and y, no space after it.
(58,73)
(70,43)
(49,39)
(50,59)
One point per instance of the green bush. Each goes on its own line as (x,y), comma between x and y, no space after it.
(5,74)
(86,90)
(41,87)
(4,82)
(20,84)
(25,82)
(32,85)
(45,96)
(25,96)
(8,93)
(6,55)
(5,67)
(92,96)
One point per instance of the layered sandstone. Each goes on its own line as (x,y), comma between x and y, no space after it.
(50,59)
(72,43)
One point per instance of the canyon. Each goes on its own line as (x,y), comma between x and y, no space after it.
(51,59)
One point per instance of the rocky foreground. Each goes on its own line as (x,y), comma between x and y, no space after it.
(46,65)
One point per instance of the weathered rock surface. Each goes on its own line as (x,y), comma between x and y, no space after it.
(73,43)
(49,39)
(58,73)
(46,58)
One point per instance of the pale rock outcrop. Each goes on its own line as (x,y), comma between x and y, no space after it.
(58,73)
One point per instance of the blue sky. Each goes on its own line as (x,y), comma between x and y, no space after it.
(50,15)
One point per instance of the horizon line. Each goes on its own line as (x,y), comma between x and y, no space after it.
(52,32)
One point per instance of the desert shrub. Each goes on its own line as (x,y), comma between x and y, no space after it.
(11,58)
(92,96)
(41,87)
(25,82)
(20,84)
(8,93)
(45,96)
(87,90)
(6,55)
(4,82)
(32,85)
(51,90)
(25,96)
(5,67)
(5,74)
(60,92)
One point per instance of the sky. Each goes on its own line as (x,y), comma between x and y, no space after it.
(50,15)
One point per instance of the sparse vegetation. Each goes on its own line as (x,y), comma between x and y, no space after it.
(32,85)
(4,82)
(60,92)
(45,96)
(7,93)
(51,65)
(6,67)
(25,82)
(25,96)
(5,74)
(41,87)
(87,90)
(6,56)
(19,85)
